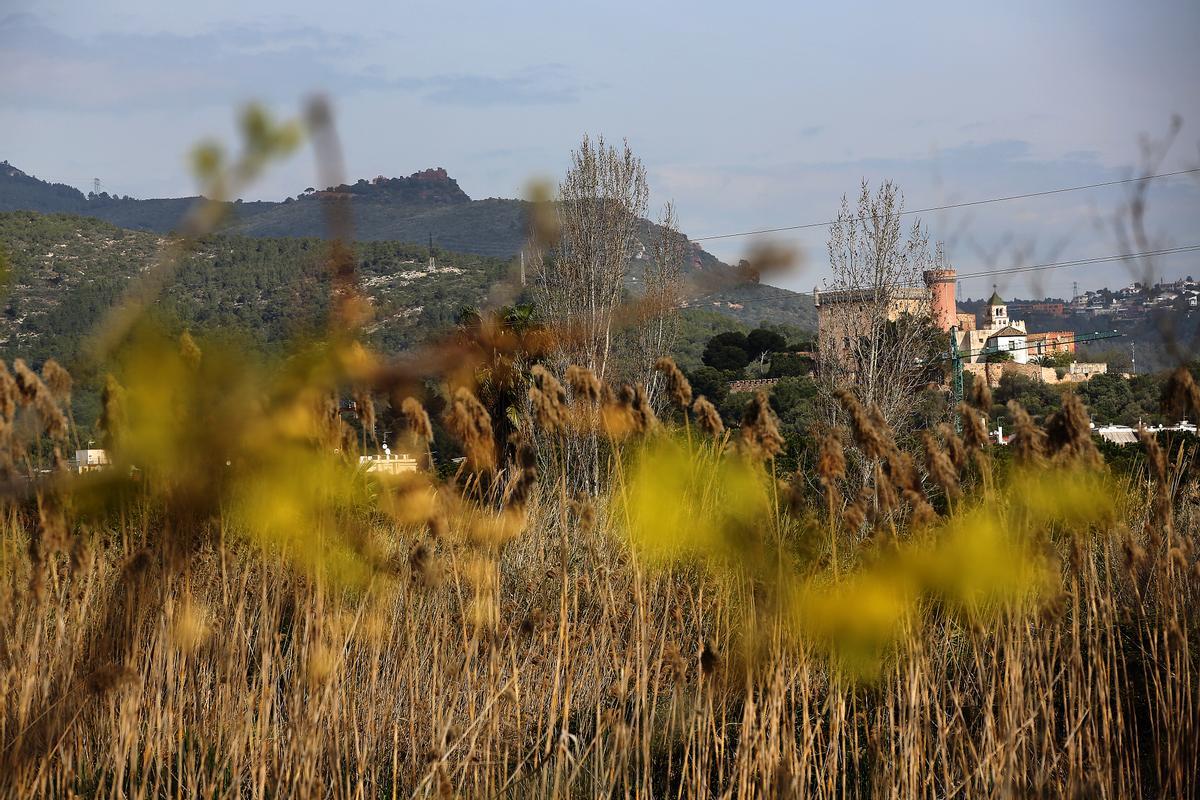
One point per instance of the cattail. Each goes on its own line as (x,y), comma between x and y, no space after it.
(1028,441)
(549,400)
(58,381)
(760,434)
(940,466)
(584,384)
(707,417)
(866,436)
(981,395)
(677,383)
(416,419)
(9,393)
(1155,458)
(471,424)
(1069,433)
(7,456)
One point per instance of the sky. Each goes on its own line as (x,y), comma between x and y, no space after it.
(747,115)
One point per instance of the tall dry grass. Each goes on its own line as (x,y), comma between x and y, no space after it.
(234,610)
(701,629)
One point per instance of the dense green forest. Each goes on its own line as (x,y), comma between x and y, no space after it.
(64,272)
(425,207)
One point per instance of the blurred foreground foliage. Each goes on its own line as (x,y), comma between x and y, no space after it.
(236,607)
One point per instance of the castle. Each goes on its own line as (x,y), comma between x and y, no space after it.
(843,314)
(999,333)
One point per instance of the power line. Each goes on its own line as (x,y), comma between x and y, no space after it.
(954,205)
(1082,261)
(1054,265)
(1079,338)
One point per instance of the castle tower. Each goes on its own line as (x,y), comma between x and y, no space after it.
(943,307)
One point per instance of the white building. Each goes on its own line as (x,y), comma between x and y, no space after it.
(999,333)
(389,463)
(91,460)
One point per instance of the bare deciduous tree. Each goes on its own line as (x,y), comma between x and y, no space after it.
(875,333)
(658,319)
(580,272)
(579,281)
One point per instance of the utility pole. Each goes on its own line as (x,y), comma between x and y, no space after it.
(522,267)
(956,365)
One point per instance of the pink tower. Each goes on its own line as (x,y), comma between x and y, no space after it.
(943,308)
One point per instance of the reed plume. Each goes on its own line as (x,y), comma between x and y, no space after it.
(866,435)
(760,436)
(954,446)
(58,381)
(981,395)
(678,388)
(940,466)
(831,459)
(708,418)
(975,434)
(1028,440)
(416,419)
(585,386)
(1069,433)
(549,400)
(471,424)
(632,398)
(113,421)
(10,395)
(1181,395)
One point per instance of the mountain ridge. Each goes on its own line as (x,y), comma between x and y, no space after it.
(426,206)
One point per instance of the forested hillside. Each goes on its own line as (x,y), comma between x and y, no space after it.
(427,206)
(65,271)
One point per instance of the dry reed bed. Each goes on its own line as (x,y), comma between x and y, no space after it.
(698,629)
